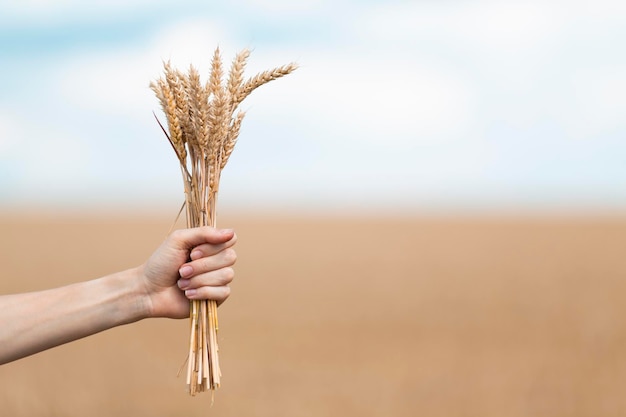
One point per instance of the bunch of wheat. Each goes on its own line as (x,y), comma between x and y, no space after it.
(203,129)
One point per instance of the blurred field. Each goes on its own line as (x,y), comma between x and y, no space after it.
(336,317)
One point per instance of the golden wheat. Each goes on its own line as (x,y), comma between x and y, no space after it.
(235,77)
(203,130)
(258,80)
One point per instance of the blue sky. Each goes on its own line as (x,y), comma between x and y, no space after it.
(401,105)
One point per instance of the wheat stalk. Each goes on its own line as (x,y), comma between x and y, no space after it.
(203,129)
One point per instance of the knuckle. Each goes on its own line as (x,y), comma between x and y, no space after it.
(216,293)
(230,256)
(228,275)
(208,263)
(177,235)
(225,293)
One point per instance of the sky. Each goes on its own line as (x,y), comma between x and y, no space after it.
(413,106)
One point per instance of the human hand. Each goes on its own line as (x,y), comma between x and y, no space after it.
(191,264)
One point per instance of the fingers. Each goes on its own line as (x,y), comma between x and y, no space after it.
(227,257)
(208,274)
(208,286)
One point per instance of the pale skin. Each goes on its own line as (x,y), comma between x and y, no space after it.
(190,264)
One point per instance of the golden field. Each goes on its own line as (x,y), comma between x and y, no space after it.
(458,316)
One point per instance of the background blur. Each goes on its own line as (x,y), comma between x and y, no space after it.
(430,210)
(398,104)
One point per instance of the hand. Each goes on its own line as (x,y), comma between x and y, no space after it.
(191,264)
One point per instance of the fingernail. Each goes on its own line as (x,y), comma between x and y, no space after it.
(183,283)
(185,271)
(195,255)
(226,231)
(191,293)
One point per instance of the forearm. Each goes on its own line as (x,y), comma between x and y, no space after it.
(32,322)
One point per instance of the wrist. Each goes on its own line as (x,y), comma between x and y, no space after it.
(134,300)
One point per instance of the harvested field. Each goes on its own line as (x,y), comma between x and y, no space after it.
(507,316)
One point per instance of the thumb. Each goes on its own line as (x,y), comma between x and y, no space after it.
(189,238)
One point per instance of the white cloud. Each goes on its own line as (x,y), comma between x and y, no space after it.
(527,61)
(599,104)
(281,8)
(601,11)
(44,12)
(492,55)
(49,12)
(116,80)
(8,131)
(507,26)
(42,155)
(371,99)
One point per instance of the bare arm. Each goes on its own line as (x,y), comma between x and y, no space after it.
(161,287)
